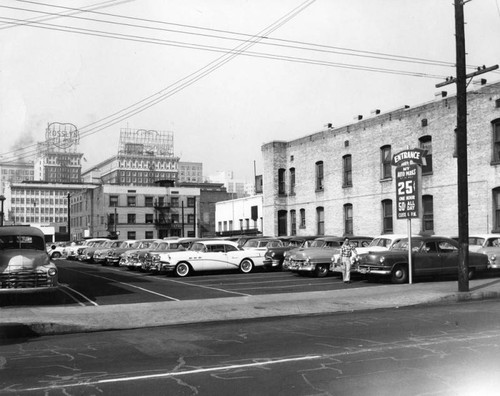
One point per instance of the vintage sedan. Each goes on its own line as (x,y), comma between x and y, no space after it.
(431,256)
(488,244)
(86,253)
(24,262)
(102,252)
(130,258)
(316,259)
(262,243)
(209,255)
(275,256)
(115,254)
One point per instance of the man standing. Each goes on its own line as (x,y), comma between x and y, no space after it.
(346,253)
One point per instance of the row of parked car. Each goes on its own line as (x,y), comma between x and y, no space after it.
(386,255)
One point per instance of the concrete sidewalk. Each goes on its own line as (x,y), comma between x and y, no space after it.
(14,322)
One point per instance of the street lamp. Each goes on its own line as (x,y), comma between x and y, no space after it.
(2,199)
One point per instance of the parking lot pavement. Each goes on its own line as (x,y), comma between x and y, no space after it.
(63,319)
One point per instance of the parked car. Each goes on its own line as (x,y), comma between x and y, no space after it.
(287,255)
(488,244)
(56,249)
(209,255)
(102,252)
(360,243)
(316,259)
(72,251)
(275,256)
(147,263)
(431,256)
(262,243)
(25,264)
(130,258)
(114,254)
(86,253)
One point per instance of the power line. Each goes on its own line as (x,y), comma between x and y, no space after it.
(267,40)
(186,81)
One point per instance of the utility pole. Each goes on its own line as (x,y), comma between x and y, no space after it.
(461,144)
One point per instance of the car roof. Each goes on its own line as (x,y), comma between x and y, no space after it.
(217,242)
(21,230)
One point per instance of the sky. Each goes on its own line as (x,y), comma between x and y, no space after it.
(224,76)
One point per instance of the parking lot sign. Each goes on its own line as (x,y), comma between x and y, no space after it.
(407,191)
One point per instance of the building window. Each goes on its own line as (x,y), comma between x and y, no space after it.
(148,201)
(131,218)
(131,200)
(496,140)
(130,234)
(113,219)
(293,222)
(387,226)
(292,181)
(348,229)
(426,144)
(174,201)
(496,209)
(320,220)
(302,218)
(113,200)
(347,170)
(319,176)
(281,181)
(190,202)
(149,218)
(282,225)
(386,167)
(428,213)
(190,218)
(149,234)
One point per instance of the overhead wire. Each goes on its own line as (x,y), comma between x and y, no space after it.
(186,81)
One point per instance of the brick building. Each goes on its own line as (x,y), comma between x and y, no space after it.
(340,181)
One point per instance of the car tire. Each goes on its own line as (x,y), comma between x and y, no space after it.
(182,270)
(399,274)
(246,266)
(56,255)
(321,271)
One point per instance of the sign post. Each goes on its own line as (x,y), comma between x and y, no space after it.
(408,195)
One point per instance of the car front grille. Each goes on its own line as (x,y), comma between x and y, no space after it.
(24,279)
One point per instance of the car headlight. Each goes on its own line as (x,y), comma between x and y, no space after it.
(52,272)
(382,259)
(493,257)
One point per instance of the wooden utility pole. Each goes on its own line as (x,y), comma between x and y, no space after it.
(462,182)
(461,144)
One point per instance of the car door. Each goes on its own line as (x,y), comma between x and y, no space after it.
(214,258)
(427,261)
(449,258)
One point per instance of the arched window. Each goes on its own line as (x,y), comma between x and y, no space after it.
(320,220)
(347,170)
(426,144)
(387,226)
(319,176)
(348,227)
(385,162)
(428,213)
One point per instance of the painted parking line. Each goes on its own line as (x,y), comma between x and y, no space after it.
(205,287)
(126,284)
(63,287)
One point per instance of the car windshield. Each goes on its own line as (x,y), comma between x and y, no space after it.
(116,244)
(155,245)
(136,245)
(319,243)
(22,242)
(254,243)
(125,244)
(495,242)
(416,244)
(476,241)
(382,242)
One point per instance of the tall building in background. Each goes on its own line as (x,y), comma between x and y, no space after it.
(57,158)
(237,188)
(144,157)
(15,172)
(190,172)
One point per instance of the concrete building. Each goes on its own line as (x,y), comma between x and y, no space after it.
(241,216)
(234,186)
(340,181)
(190,172)
(134,212)
(42,203)
(144,157)
(15,172)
